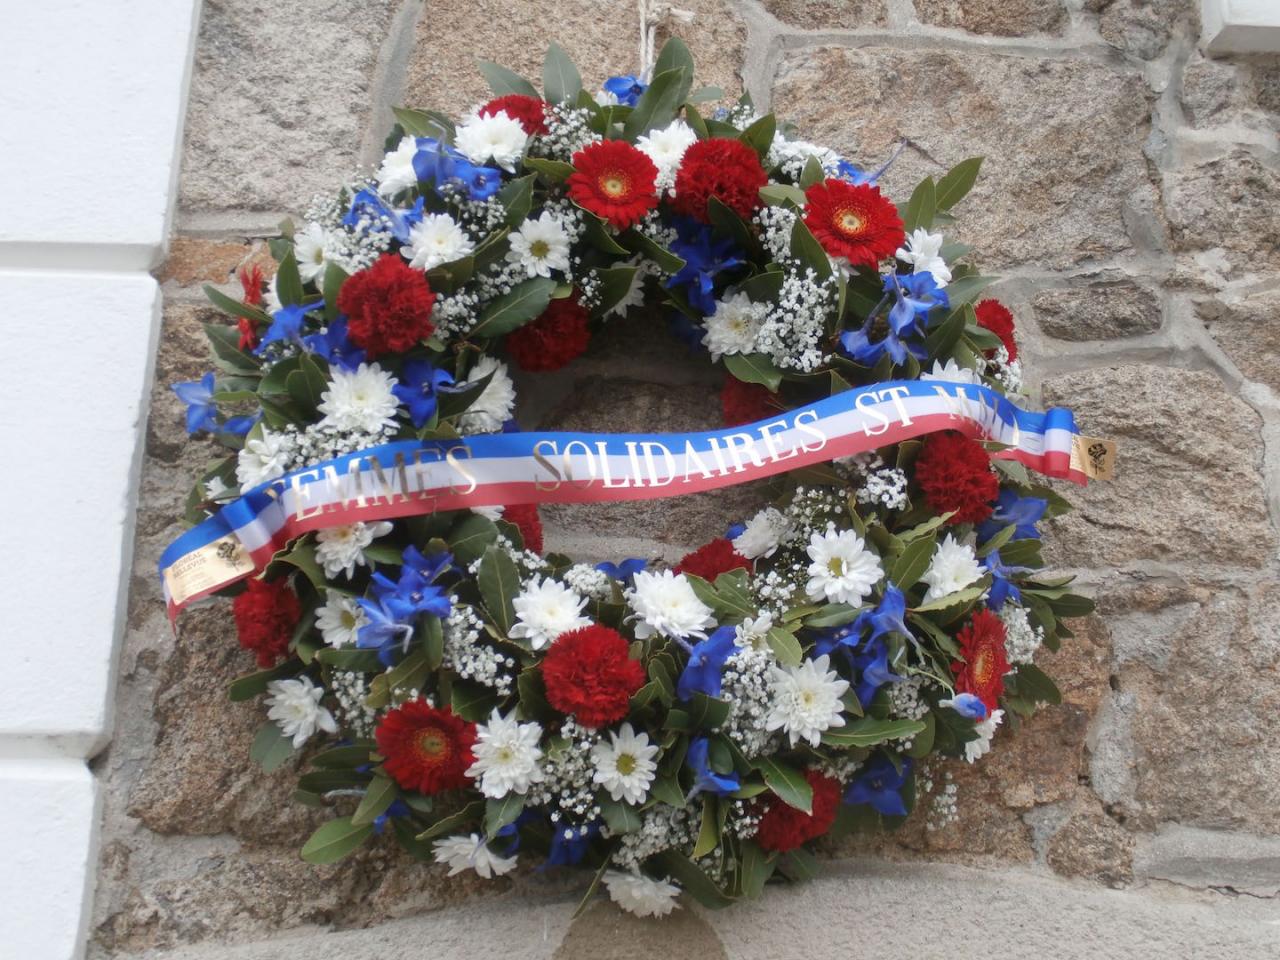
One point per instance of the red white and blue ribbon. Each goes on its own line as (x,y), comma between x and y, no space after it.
(412,477)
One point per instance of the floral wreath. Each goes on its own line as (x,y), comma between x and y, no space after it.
(691,728)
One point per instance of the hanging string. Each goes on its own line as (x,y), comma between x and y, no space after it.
(653,15)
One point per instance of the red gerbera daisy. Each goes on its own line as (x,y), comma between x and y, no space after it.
(728,170)
(746,402)
(712,559)
(986,661)
(529,112)
(955,474)
(783,827)
(589,673)
(266,615)
(388,306)
(427,750)
(525,516)
(558,335)
(615,181)
(995,316)
(854,222)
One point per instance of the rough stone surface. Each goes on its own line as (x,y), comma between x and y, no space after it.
(840,14)
(273,121)
(600,37)
(192,260)
(1187,445)
(684,935)
(1091,844)
(1240,863)
(1248,331)
(1245,92)
(1004,19)
(1227,205)
(1098,306)
(1070,134)
(1143,27)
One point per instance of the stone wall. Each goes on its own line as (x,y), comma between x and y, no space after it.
(1129,202)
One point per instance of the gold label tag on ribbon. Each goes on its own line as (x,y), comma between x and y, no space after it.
(1094,457)
(212,566)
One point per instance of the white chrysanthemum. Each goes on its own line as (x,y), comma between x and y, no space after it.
(489,411)
(976,749)
(843,569)
(396,172)
(341,549)
(295,706)
(493,513)
(471,853)
(271,298)
(308,250)
(339,619)
(954,566)
(545,609)
(540,246)
(951,371)
(665,604)
(806,700)
(436,239)
(753,632)
(497,138)
(624,766)
(666,148)
(763,534)
(734,325)
(359,399)
(507,755)
(638,894)
(263,458)
(215,488)
(923,253)
(793,155)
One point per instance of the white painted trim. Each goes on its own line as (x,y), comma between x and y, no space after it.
(1240,26)
(92,100)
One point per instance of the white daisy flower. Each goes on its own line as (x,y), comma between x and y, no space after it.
(625,766)
(397,173)
(764,534)
(638,894)
(976,749)
(753,632)
(308,250)
(497,138)
(547,608)
(263,458)
(339,619)
(843,569)
(923,253)
(360,399)
(341,549)
(489,411)
(540,246)
(434,240)
(507,755)
(806,700)
(471,853)
(665,604)
(954,566)
(666,148)
(734,325)
(951,371)
(271,298)
(295,706)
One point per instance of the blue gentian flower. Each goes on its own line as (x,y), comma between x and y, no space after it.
(967,705)
(241,425)
(569,844)
(445,168)
(735,531)
(888,615)
(398,808)
(706,780)
(386,630)
(335,346)
(913,297)
(704,256)
(880,786)
(706,664)
(367,205)
(396,604)
(624,572)
(198,396)
(857,176)
(1002,586)
(1025,512)
(626,88)
(419,384)
(481,183)
(286,324)
(872,666)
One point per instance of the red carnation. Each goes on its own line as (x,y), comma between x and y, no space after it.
(525,516)
(854,222)
(728,170)
(746,402)
(615,181)
(529,112)
(557,336)
(589,673)
(266,615)
(388,306)
(783,827)
(995,316)
(955,474)
(982,644)
(712,559)
(427,750)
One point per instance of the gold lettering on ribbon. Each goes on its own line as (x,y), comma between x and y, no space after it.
(541,458)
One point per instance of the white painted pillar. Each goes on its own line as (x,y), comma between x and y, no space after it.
(1240,26)
(92,99)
